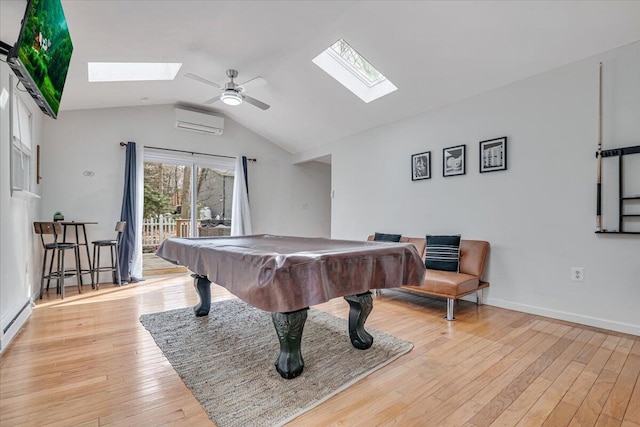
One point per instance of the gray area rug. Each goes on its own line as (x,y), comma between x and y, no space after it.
(227,360)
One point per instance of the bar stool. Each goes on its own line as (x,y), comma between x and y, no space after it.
(59,249)
(113,249)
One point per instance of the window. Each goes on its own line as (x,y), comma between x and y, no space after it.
(342,62)
(131,71)
(341,50)
(21,146)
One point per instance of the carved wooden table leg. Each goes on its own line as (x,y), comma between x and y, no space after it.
(289,326)
(203,287)
(359,308)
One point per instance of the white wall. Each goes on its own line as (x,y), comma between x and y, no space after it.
(88,140)
(19,252)
(539,215)
(312,189)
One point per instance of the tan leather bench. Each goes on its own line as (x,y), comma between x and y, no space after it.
(449,284)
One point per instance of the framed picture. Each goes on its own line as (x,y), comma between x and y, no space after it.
(493,155)
(421,166)
(453,160)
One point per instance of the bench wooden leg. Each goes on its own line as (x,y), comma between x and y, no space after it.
(450,302)
(479,296)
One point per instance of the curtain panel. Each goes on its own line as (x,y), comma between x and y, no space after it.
(127,244)
(240,213)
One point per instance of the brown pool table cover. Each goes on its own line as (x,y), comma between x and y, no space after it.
(282,274)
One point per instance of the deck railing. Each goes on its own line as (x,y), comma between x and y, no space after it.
(155,230)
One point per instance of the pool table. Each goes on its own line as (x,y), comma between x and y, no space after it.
(286,275)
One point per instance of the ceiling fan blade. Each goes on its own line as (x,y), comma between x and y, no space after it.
(212,100)
(203,80)
(253,83)
(255,102)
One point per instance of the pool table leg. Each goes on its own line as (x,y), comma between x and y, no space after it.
(203,287)
(289,326)
(359,308)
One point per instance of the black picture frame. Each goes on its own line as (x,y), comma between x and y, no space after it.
(493,155)
(421,166)
(454,160)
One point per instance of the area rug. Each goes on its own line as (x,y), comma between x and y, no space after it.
(227,360)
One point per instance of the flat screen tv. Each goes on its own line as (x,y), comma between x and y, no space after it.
(40,58)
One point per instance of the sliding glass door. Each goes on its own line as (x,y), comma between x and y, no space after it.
(214,198)
(184,196)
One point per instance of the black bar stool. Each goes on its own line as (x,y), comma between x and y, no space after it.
(115,263)
(59,249)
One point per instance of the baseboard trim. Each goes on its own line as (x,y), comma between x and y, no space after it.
(626,328)
(12,329)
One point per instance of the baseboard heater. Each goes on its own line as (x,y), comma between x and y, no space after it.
(13,327)
(4,331)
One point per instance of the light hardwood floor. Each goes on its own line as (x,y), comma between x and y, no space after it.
(87,360)
(153,265)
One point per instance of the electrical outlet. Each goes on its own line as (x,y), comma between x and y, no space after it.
(304,205)
(577,274)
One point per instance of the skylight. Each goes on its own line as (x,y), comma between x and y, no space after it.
(357,62)
(131,71)
(342,62)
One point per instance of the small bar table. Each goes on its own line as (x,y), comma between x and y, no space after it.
(80,231)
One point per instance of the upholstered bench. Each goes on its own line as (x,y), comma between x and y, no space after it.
(450,284)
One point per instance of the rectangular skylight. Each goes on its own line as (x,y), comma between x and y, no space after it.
(132,71)
(342,62)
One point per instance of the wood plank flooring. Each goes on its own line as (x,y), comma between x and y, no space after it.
(153,265)
(87,361)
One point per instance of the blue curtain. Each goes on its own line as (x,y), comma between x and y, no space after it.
(128,214)
(246,176)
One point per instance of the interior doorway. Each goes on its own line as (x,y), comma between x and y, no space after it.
(183,197)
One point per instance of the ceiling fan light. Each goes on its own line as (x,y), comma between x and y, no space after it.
(231,97)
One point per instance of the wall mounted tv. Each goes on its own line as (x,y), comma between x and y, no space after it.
(40,58)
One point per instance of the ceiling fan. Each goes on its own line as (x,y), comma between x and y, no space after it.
(232,93)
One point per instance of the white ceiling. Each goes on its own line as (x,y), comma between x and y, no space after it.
(435,52)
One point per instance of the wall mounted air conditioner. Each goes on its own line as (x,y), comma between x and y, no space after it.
(199,121)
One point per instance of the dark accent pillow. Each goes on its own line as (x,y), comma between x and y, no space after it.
(443,253)
(383,237)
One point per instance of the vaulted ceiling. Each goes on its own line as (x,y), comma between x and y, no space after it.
(435,52)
